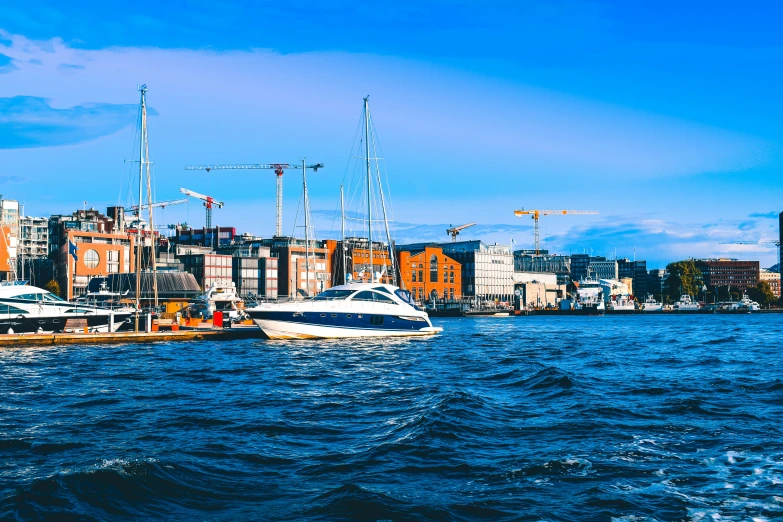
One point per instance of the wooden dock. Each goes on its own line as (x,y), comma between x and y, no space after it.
(228,334)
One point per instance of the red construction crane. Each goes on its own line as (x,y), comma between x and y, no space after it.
(209,202)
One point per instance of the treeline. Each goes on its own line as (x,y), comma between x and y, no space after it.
(686,278)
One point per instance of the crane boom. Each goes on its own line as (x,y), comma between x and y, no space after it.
(279,168)
(454,231)
(135,208)
(209,202)
(535,214)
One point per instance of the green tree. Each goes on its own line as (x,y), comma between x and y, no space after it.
(762,294)
(684,278)
(53,286)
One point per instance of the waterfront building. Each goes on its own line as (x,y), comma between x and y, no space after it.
(655,280)
(737,274)
(427,272)
(98,254)
(7,253)
(293,278)
(9,215)
(528,261)
(356,253)
(208,268)
(637,272)
(772,279)
(487,270)
(204,237)
(255,276)
(579,266)
(602,268)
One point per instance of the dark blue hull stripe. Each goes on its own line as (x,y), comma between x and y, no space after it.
(389,323)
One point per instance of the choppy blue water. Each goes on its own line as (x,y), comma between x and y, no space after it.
(538,418)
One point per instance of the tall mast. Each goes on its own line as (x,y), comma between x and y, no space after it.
(307,225)
(143,90)
(342,227)
(369,178)
(385,220)
(149,202)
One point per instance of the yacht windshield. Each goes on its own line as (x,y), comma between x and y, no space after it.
(51,297)
(330,295)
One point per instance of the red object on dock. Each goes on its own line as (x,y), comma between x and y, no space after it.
(217,319)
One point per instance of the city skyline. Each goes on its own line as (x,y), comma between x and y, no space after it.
(671,135)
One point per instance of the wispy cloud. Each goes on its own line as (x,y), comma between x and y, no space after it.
(12,179)
(29,121)
(765,215)
(6,64)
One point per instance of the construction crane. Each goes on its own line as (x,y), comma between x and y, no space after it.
(135,208)
(278,168)
(209,202)
(454,231)
(535,214)
(769,242)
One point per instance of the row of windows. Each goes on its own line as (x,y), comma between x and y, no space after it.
(448,277)
(418,294)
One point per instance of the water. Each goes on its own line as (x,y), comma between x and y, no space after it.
(538,418)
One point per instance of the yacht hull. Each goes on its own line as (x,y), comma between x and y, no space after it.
(31,324)
(277,325)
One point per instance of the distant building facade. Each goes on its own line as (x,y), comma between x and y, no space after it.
(487,270)
(9,215)
(637,272)
(427,272)
(772,279)
(729,272)
(99,254)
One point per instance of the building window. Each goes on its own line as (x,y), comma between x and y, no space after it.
(113,261)
(434,269)
(421,276)
(91,259)
(451,277)
(413,278)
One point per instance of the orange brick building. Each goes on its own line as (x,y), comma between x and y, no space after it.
(357,259)
(99,254)
(428,271)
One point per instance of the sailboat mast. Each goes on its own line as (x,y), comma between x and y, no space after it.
(152,223)
(369,178)
(385,219)
(342,227)
(143,90)
(307,226)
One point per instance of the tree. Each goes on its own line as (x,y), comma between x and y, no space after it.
(762,294)
(684,278)
(53,286)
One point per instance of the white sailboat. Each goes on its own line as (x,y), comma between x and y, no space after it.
(356,309)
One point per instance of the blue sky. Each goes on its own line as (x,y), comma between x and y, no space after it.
(662,116)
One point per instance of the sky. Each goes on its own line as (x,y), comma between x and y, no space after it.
(664,117)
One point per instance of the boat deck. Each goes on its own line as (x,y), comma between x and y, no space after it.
(230,334)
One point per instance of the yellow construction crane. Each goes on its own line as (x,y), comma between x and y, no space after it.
(454,231)
(535,214)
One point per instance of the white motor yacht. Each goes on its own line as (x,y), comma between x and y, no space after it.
(651,305)
(589,297)
(29,309)
(350,310)
(219,297)
(746,304)
(686,304)
(622,303)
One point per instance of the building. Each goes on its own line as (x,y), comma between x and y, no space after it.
(356,255)
(579,266)
(602,268)
(99,254)
(780,243)
(733,273)
(7,253)
(655,280)
(293,278)
(255,276)
(33,237)
(772,279)
(486,269)
(428,273)
(527,261)
(9,215)
(208,268)
(637,272)
(204,237)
